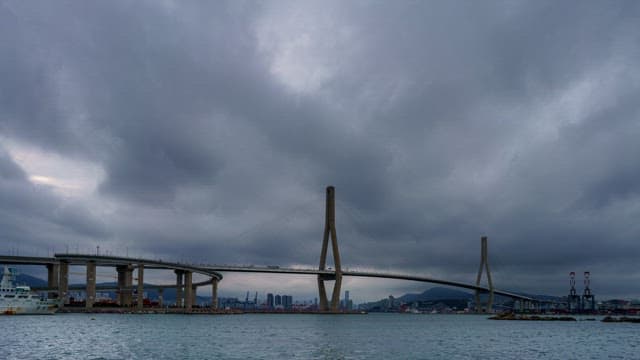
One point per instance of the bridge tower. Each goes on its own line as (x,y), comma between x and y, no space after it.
(330,231)
(484,263)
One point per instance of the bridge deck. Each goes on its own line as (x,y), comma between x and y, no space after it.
(214,270)
(279,270)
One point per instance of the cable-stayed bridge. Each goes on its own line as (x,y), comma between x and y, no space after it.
(58,274)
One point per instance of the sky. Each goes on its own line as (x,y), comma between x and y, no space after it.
(207,131)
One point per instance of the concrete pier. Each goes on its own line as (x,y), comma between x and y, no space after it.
(140,286)
(188,289)
(53,274)
(120,270)
(179,274)
(63,283)
(125,283)
(214,294)
(91,284)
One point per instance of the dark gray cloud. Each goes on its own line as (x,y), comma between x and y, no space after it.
(217,126)
(34,220)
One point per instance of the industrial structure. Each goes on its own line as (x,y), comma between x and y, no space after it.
(573,300)
(588,299)
(577,303)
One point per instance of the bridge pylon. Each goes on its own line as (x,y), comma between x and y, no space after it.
(484,263)
(330,231)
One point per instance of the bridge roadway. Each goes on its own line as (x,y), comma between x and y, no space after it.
(114,287)
(328,273)
(58,277)
(27,260)
(102,260)
(214,270)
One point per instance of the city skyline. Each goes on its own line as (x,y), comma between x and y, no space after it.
(208,131)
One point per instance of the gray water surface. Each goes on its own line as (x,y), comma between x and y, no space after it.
(280,336)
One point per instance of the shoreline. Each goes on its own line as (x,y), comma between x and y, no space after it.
(115,310)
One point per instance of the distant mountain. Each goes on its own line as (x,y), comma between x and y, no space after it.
(436,293)
(442,293)
(451,297)
(24,279)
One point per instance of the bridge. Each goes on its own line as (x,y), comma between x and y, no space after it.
(58,274)
(368,274)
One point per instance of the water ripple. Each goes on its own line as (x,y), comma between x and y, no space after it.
(373,336)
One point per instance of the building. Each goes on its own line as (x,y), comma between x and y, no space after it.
(287,302)
(346,303)
(270,301)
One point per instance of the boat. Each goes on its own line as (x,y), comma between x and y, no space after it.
(20,300)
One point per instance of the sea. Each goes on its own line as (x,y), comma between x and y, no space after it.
(308,336)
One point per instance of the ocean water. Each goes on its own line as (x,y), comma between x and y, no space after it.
(284,336)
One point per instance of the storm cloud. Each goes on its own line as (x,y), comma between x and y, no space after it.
(207,131)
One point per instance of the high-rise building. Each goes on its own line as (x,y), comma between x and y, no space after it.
(287,301)
(270,301)
(346,300)
(278,300)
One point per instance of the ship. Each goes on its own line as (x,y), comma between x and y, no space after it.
(20,300)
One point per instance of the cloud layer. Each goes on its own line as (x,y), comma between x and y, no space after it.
(208,131)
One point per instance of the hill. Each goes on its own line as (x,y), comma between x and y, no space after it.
(24,279)
(436,293)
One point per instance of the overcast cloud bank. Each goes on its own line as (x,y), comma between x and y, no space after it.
(209,130)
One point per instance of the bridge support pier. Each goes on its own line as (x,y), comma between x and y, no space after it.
(330,231)
(91,284)
(53,274)
(179,274)
(63,283)
(140,302)
(188,289)
(125,283)
(214,294)
(484,263)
